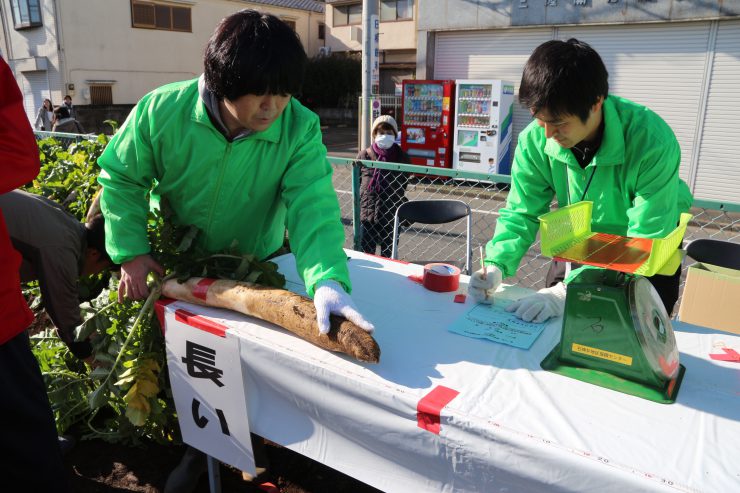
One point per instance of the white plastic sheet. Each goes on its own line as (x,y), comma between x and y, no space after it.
(513,427)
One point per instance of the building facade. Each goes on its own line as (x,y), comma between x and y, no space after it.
(681,58)
(112,52)
(397,43)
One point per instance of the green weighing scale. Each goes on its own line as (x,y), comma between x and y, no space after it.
(616,332)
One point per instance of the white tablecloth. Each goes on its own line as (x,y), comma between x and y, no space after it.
(513,426)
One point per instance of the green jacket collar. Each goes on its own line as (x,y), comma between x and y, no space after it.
(272,134)
(611,152)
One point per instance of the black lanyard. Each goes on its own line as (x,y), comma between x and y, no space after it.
(588,184)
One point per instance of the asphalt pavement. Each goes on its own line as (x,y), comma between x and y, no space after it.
(340,140)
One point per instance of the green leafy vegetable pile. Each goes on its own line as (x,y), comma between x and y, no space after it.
(126,399)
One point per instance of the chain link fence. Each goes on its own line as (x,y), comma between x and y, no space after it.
(64,138)
(485,194)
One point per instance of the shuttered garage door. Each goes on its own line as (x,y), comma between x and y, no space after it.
(497,54)
(663,66)
(35,89)
(718,165)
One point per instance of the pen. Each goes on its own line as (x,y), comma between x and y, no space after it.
(482,262)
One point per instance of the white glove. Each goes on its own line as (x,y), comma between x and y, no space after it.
(481,287)
(541,306)
(330,298)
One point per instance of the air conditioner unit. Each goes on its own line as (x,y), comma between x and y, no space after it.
(324,50)
(355,34)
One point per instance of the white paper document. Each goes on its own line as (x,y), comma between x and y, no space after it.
(494,323)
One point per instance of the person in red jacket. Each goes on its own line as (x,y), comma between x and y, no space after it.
(28,438)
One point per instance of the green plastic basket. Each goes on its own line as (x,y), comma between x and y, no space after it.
(570,225)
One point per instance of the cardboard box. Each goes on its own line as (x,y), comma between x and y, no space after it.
(711,298)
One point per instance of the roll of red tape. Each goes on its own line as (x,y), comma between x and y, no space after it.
(441,278)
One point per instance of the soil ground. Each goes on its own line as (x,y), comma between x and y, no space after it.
(99,467)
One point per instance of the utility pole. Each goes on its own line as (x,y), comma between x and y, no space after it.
(370,67)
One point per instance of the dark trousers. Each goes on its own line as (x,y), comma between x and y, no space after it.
(666,286)
(377,233)
(32,460)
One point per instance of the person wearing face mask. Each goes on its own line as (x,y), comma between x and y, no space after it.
(381,191)
(584,144)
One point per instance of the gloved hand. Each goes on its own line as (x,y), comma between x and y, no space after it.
(330,298)
(541,306)
(481,288)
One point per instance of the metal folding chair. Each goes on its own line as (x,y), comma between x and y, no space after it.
(716,252)
(434,212)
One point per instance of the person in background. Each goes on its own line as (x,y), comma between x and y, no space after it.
(235,155)
(381,191)
(65,123)
(32,459)
(57,250)
(45,116)
(70,107)
(584,144)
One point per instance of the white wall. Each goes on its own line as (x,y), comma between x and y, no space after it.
(399,35)
(33,42)
(100,44)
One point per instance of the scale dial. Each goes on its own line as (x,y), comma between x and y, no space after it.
(653,328)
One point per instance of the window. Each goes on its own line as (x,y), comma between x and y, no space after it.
(396,10)
(26,13)
(101,94)
(150,15)
(345,15)
(322,30)
(290,23)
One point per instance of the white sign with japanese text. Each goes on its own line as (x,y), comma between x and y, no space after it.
(374,55)
(207,386)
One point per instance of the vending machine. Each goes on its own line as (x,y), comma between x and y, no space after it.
(483,126)
(426,129)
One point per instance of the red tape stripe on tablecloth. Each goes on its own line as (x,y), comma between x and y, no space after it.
(200,322)
(730,355)
(159,310)
(430,406)
(201,289)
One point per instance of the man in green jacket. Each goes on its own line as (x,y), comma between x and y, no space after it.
(583,144)
(237,156)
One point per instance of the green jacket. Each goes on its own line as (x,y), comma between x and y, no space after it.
(636,190)
(247,190)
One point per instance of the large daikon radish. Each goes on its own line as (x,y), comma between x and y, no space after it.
(290,311)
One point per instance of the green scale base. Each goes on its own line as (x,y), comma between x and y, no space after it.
(664,395)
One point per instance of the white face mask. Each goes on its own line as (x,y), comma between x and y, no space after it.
(384,141)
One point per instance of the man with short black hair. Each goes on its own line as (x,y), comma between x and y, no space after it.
(584,144)
(65,122)
(57,250)
(235,155)
(70,107)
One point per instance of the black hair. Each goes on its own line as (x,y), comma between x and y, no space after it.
(61,112)
(565,78)
(96,236)
(254,53)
